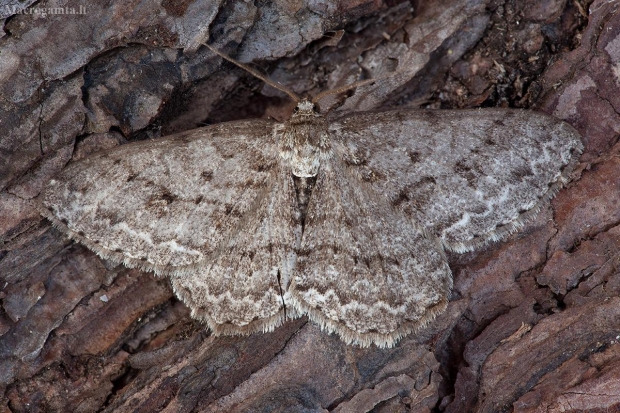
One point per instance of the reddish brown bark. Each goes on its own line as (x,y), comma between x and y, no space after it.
(534,321)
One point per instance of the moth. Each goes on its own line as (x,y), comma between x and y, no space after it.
(346,221)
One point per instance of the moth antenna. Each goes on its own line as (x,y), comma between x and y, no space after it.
(351,86)
(256,74)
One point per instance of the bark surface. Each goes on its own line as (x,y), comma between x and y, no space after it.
(534,321)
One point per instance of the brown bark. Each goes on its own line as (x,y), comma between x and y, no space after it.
(534,321)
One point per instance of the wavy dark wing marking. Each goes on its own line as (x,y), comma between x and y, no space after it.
(364,269)
(168,203)
(467,176)
(212,208)
(240,290)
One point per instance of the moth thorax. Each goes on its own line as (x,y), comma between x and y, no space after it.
(304,141)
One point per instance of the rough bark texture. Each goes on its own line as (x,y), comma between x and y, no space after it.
(534,321)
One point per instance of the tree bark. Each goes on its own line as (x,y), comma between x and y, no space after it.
(534,321)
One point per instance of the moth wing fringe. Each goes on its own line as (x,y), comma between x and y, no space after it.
(365,340)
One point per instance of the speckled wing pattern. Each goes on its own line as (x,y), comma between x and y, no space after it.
(402,186)
(216,209)
(467,176)
(364,269)
(241,289)
(184,206)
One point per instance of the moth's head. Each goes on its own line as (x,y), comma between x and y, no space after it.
(305,107)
